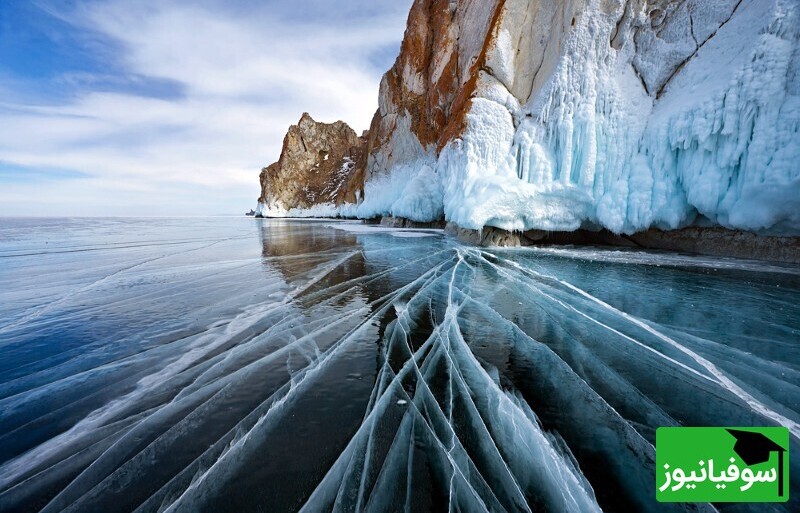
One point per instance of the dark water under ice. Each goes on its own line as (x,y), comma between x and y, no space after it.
(224,364)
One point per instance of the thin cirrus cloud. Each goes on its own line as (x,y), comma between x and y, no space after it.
(171,108)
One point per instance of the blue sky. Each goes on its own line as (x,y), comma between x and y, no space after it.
(156,107)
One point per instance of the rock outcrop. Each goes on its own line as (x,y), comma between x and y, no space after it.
(565,115)
(424,97)
(320,164)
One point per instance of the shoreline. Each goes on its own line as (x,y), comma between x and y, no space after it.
(706,241)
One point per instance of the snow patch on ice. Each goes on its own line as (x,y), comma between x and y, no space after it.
(395,232)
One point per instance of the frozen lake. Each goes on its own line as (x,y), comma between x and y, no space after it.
(232,364)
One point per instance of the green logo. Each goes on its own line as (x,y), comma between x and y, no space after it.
(722,464)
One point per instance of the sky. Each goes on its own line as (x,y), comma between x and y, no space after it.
(172,107)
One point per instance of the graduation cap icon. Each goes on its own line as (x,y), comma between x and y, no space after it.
(754,448)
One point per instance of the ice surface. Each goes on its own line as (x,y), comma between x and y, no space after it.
(241,365)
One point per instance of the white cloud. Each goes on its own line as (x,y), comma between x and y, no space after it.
(245,76)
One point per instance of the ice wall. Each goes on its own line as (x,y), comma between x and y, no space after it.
(617,114)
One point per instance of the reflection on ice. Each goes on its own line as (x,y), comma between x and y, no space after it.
(353,370)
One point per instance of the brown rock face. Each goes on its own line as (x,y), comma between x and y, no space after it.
(425,96)
(320,163)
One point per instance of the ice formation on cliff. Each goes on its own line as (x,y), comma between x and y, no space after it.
(721,141)
(624,115)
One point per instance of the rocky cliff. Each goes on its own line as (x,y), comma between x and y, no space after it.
(560,115)
(320,164)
